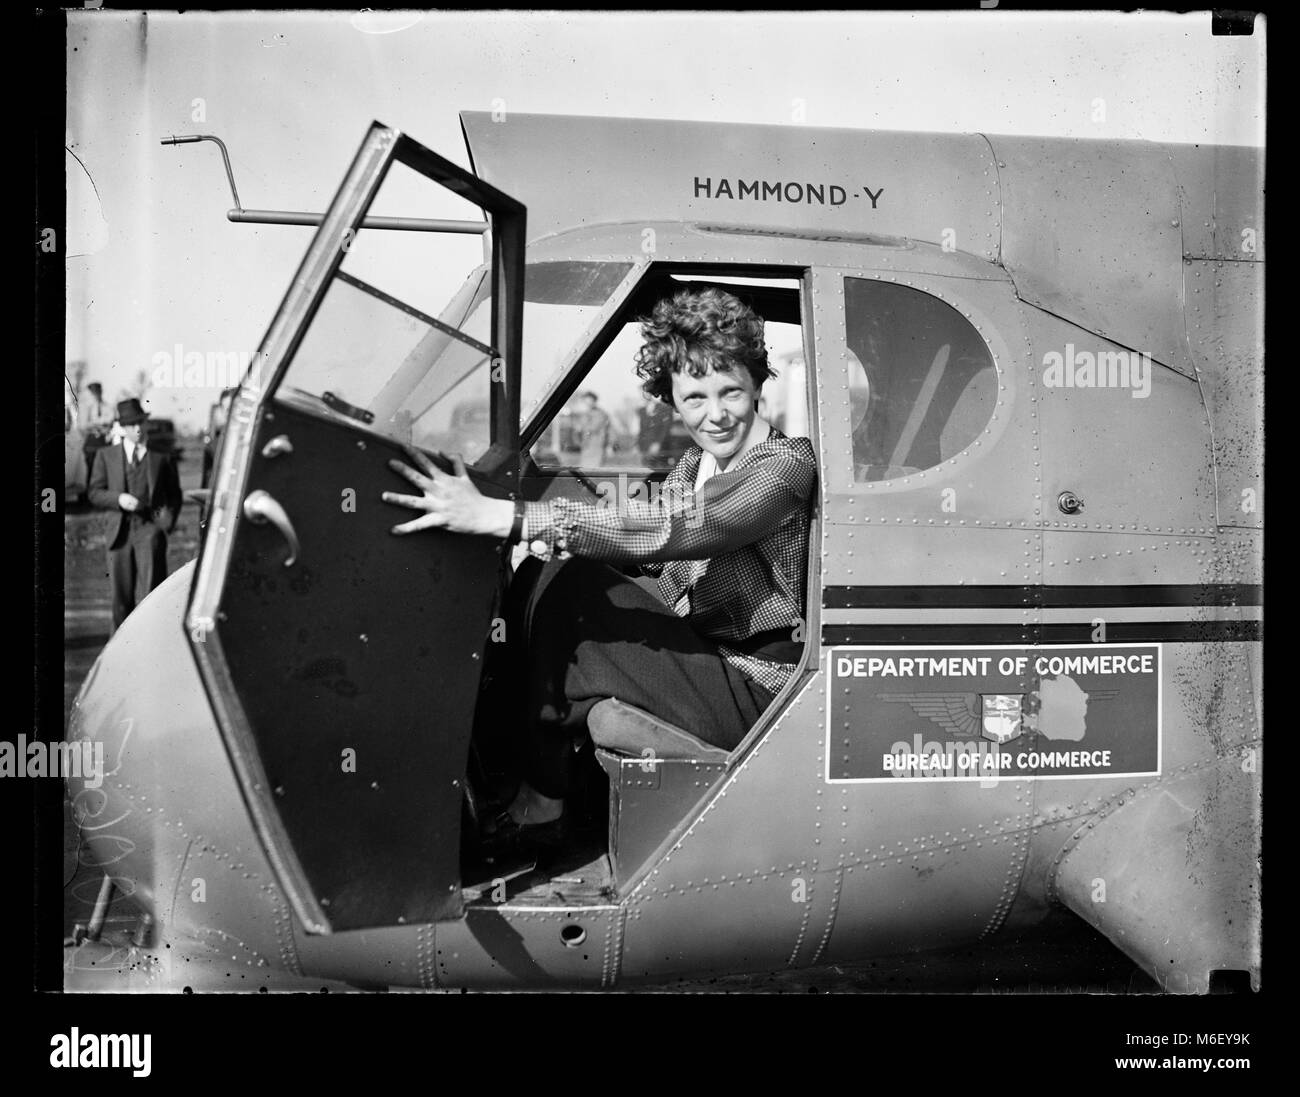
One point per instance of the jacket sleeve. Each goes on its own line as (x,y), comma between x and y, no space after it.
(672,482)
(97,488)
(732,509)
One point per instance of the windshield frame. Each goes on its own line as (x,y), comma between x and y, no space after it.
(553,390)
(491,461)
(501,271)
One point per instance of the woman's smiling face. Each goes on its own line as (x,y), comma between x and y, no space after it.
(717,408)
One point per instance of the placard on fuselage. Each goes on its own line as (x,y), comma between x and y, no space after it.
(993,713)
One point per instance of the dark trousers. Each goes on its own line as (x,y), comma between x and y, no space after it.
(142,560)
(578,631)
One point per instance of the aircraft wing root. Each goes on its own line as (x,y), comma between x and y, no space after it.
(1171,875)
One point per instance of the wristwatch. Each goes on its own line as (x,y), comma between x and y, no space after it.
(517,527)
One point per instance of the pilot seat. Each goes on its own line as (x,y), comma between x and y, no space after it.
(657,772)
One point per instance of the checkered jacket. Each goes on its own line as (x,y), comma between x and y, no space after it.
(732,557)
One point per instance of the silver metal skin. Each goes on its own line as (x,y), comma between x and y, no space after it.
(1109,245)
(163,823)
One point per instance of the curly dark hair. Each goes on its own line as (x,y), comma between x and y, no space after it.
(698,331)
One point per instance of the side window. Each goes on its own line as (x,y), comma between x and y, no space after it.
(923,385)
(608,423)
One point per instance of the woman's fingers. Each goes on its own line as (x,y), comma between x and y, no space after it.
(415,502)
(417,478)
(425,521)
(435,486)
(421,461)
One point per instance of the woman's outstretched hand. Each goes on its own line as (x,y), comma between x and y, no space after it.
(448,501)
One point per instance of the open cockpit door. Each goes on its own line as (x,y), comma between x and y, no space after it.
(343,662)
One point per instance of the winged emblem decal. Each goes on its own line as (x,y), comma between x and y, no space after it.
(998,717)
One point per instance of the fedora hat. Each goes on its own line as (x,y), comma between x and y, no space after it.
(130,411)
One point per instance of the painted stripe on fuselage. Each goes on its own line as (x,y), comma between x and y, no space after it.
(1041,632)
(1019,597)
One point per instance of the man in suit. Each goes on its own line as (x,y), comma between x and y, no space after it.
(145,490)
(593,431)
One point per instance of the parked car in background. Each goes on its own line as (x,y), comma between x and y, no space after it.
(160,437)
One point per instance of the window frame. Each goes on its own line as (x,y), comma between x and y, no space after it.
(977,300)
(855,365)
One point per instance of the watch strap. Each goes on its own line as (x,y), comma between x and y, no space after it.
(517,527)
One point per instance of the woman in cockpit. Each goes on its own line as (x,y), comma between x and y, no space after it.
(727,538)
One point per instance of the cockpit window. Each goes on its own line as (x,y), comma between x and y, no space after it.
(922,383)
(400,372)
(645,434)
(418,378)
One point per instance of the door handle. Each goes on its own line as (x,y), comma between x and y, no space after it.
(276,446)
(261,507)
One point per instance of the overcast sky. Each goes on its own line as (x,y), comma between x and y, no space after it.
(155,263)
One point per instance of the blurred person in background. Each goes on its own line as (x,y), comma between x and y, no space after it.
(144,490)
(593,431)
